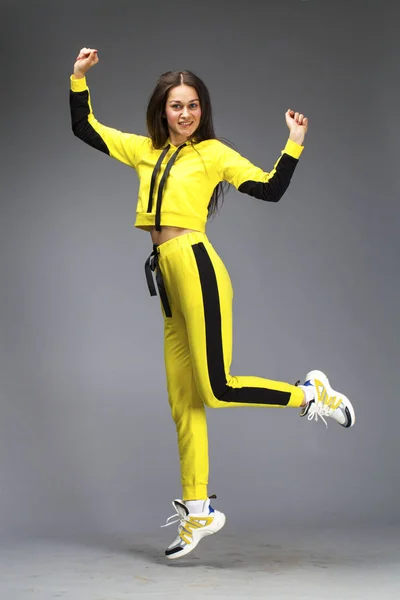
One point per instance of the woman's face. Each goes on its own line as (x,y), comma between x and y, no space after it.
(183,113)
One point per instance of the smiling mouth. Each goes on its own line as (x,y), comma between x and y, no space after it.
(185,124)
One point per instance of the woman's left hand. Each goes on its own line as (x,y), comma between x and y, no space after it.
(298,125)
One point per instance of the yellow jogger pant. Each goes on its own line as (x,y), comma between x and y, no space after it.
(198,352)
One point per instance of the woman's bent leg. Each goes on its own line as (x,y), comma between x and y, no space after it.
(206,302)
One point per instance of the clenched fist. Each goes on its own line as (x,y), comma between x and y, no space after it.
(86,58)
(298,125)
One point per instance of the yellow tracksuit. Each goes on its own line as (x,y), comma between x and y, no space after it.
(196,292)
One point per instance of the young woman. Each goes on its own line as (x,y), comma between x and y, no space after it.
(182,167)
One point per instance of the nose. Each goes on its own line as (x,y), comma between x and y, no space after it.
(185,111)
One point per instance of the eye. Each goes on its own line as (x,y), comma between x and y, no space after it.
(194,105)
(175,106)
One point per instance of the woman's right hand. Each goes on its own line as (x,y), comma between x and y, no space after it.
(86,58)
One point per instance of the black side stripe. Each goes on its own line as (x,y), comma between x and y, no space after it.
(79,106)
(272,190)
(215,356)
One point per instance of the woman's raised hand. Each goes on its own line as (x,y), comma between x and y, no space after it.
(298,125)
(86,59)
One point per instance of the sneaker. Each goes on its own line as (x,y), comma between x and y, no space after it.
(327,402)
(192,527)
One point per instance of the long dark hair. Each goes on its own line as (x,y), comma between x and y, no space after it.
(158,127)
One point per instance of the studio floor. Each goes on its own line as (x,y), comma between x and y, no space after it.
(319,564)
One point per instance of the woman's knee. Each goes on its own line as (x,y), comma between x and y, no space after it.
(210,400)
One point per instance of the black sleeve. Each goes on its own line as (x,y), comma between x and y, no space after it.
(276,186)
(80,111)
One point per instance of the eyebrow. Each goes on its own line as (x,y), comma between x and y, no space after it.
(179,101)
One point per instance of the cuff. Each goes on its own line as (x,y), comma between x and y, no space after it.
(293,149)
(195,492)
(78,85)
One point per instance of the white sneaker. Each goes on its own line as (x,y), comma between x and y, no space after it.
(192,527)
(327,402)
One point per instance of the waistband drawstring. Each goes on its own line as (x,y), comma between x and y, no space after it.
(150,265)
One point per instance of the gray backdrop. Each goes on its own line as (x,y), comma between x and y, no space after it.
(86,438)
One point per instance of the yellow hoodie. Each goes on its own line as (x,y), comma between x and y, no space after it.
(179,195)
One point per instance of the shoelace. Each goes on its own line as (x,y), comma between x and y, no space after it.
(319,410)
(182,522)
(179,519)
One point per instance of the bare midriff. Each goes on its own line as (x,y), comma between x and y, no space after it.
(166,233)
